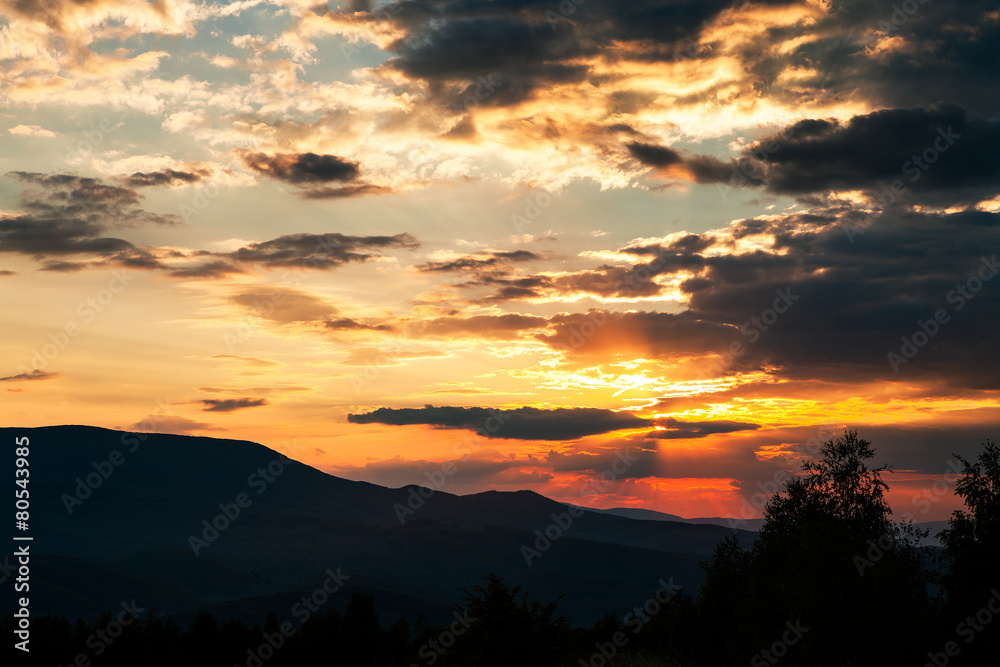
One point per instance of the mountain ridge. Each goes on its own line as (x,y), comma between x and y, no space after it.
(150,517)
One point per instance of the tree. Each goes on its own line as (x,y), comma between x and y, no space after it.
(505,627)
(972,549)
(830,559)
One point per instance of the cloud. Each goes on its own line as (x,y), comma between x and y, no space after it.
(213,269)
(678,429)
(532,45)
(64,267)
(500,327)
(348,324)
(303,167)
(937,153)
(933,154)
(521,423)
(313,173)
(30,131)
(64,215)
(379,357)
(166,177)
(344,191)
(172,424)
(476,470)
(231,404)
(33,375)
(797,300)
(697,168)
(251,361)
(638,334)
(283,305)
(479,262)
(319,251)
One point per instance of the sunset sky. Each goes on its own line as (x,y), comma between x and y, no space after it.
(689,235)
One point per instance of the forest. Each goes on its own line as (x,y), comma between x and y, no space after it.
(831,579)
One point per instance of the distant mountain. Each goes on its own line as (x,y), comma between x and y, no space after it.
(640,514)
(130,536)
(933,527)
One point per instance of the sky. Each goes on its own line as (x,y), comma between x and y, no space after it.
(644,254)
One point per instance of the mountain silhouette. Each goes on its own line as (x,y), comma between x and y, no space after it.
(117,516)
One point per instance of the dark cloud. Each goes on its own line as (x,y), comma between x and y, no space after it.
(39,237)
(938,154)
(502,327)
(231,404)
(468,54)
(64,215)
(943,51)
(344,191)
(314,174)
(637,334)
(520,423)
(302,168)
(5,272)
(319,251)
(479,261)
(64,267)
(812,305)
(348,324)
(213,269)
(33,375)
(494,270)
(654,156)
(166,177)
(502,53)
(677,429)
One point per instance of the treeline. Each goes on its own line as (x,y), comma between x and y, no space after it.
(830,580)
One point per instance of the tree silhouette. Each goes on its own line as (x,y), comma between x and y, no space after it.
(506,627)
(828,558)
(972,553)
